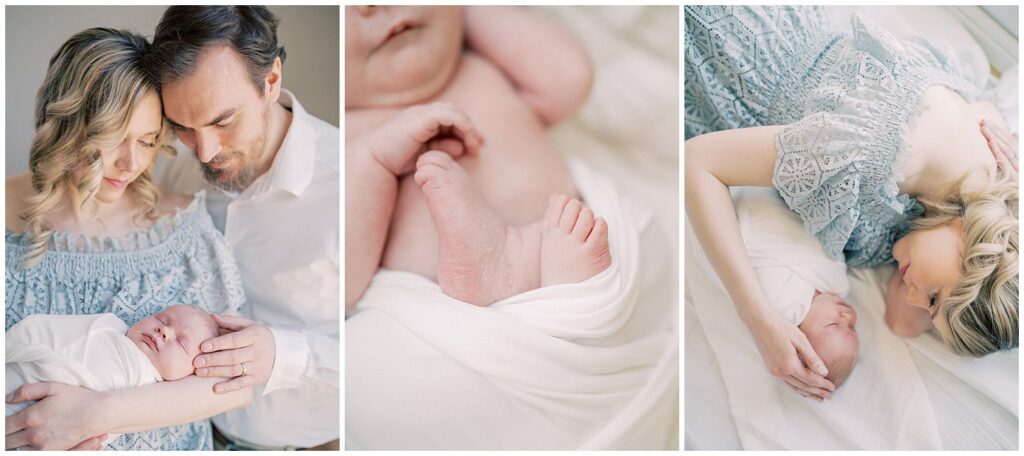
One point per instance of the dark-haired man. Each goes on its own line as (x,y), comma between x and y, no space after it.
(270,170)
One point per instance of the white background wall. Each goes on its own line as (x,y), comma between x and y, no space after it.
(33,33)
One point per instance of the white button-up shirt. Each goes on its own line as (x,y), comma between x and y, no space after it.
(283,231)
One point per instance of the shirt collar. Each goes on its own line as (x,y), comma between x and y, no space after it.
(295,161)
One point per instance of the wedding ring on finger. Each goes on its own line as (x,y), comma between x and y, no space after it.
(243,369)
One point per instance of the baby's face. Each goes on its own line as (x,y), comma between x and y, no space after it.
(170,338)
(830,327)
(399,55)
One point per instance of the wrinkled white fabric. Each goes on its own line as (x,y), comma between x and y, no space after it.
(545,369)
(90,351)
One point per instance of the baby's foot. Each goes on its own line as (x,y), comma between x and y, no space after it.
(574,246)
(481,259)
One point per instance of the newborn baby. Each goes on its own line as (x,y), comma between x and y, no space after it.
(424,88)
(799,279)
(101,352)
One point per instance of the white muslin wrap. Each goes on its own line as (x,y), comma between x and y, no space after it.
(551,368)
(90,351)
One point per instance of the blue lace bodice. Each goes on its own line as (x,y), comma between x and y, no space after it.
(845,98)
(182,258)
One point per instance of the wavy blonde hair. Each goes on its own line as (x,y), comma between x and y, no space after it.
(93,85)
(982,311)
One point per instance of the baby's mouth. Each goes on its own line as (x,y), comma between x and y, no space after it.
(399,28)
(149,340)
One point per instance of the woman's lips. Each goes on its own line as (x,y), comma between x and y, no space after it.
(115,183)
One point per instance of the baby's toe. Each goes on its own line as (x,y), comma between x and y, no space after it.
(569,216)
(599,235)
(556,203)
(584,224)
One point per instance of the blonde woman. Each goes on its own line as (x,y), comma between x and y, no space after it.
(875,142)
(87,232)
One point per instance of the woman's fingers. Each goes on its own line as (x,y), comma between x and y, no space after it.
(29,392)
(16,440)
(809,356)
(93,444)
(813,391)
(1003,145)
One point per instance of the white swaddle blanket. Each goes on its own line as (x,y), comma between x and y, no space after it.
(551,368)
(91,351)
(790,264)
(882,405)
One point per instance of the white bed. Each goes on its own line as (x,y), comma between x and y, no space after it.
(904,394)
(442,397)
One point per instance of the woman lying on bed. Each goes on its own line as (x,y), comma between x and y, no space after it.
(875,143)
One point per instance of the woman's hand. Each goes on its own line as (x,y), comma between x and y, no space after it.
(1003,145)
(57,421)
(787,354)
(246,353)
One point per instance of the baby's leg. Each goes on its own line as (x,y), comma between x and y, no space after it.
(575,245)
(481,259)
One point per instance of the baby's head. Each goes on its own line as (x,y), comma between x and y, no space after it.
(170,338)
(829,327)
(399,55)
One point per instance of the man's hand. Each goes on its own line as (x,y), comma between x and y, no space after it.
(247,353)
(437,126)
(65,417)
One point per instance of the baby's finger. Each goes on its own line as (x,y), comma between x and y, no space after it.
(224,358)
(449,146)
(234,384)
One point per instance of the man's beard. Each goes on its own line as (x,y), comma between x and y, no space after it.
(238,178)
(230,179)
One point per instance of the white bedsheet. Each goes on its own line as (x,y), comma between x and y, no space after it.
(903,394)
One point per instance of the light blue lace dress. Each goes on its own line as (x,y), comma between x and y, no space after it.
(182,258)
(846,99)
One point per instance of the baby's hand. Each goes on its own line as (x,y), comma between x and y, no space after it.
(436,126)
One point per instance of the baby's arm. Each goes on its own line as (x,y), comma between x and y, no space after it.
(374,162)
(545,62)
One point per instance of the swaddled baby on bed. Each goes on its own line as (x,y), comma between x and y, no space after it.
(101,352)
(800,281)
(424,88)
